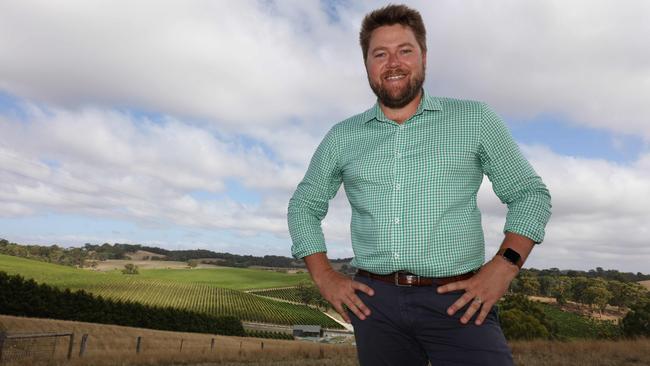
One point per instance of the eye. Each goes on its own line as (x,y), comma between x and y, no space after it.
(379,54)
(406,51)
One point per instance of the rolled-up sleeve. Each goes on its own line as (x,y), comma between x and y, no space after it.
(310,202)
(513,179)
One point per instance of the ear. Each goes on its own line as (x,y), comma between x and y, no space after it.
(424,59)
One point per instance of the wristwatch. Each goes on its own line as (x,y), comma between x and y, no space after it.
(512,256)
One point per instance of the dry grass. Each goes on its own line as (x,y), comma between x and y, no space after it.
(115,345)
(582,353)
(118,264)
(610,313)
(645,284)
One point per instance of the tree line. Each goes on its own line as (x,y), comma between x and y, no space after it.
(596,292)
(22,297)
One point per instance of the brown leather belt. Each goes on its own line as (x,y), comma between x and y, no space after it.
(408,279)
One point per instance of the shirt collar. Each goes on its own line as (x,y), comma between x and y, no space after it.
(428,103)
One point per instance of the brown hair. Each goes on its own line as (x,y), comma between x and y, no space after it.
(390,15)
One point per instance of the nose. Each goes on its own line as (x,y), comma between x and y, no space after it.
(393,60)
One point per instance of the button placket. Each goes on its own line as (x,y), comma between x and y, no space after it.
(396,193)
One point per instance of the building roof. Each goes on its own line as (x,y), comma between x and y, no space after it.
(307,328)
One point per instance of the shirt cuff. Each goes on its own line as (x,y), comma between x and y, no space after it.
(531,230)
(301,251)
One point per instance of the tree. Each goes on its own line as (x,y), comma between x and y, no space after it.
(596,294)
(561,289)
(546,283)
(192,263)
(624,294)
(525,319)
(130,268)
(578,286)
(518,325)
(529,285)
(637,322)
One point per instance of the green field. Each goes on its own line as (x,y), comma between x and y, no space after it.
(574,326)
(287,294)
(224,277)
(213,291)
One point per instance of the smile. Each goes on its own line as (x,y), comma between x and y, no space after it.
(395,77)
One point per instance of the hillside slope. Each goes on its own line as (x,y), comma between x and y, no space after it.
(210,291)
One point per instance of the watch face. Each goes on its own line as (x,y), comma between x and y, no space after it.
(512,256)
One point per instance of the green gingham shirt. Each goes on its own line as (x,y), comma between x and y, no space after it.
(412,188)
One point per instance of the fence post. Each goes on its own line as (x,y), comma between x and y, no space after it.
(181,349)
(3,336)
(82,348)
(212,345)
(262,345)
(70,346)
(137,345)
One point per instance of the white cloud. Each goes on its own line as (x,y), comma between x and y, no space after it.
(600,213)
(236,62)
(265,80)
(249,64)
(584,60)
(109,164)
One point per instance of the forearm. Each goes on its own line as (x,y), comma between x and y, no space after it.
(519,244)
(318,266)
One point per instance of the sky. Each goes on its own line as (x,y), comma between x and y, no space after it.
(189,124)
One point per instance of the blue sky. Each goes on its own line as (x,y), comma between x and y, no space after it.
(189,125)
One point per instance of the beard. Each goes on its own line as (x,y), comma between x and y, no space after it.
(398,98)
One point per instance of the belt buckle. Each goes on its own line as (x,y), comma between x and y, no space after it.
(397,279)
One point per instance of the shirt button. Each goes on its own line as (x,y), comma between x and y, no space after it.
(398,154)
(396,220)
(396,255)
(397,186)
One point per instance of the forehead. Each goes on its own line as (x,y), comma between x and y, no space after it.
(391,36)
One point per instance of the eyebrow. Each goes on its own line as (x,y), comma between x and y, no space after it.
(398,46)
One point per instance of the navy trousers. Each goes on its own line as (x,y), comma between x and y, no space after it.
(410,326)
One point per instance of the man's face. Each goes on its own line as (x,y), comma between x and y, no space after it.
(395,65)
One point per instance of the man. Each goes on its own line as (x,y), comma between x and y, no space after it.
(411,167)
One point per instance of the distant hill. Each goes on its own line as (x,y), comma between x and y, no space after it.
(143,255)
(79,256)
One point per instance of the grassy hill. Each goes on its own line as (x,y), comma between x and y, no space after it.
(224,277)
(212,291)
(110,345)
(113,345)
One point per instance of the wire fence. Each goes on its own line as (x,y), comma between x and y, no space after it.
(33,346)
(37,348)
(27,348)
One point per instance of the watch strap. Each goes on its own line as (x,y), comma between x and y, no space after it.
(511,256)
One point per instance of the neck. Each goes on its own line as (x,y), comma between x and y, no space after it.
(402,114)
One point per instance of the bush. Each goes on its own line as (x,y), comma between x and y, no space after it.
(518,325)
(130,268)
(637,322)
(522,318)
